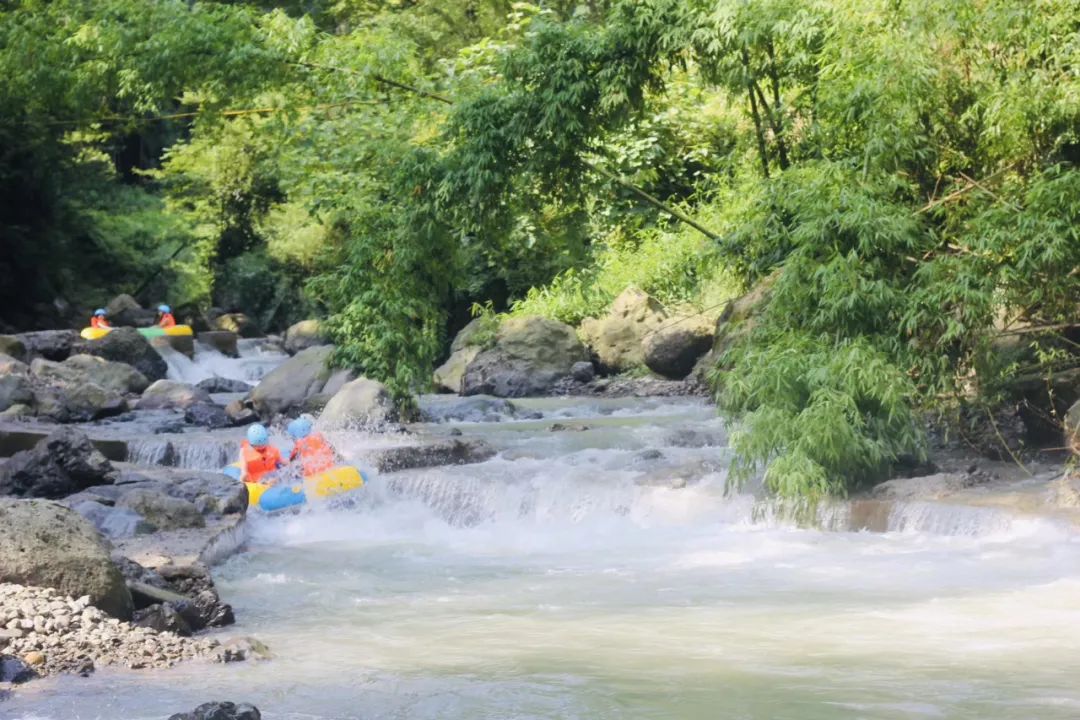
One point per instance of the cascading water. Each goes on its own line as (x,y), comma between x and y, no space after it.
(254,362)
(604,573)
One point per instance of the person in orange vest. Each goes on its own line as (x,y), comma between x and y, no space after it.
(311,450)
(258,457)
(165,317)
(99,320)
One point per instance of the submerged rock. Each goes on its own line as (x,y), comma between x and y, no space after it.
(220,711)
(62,463)
(529,356)
(51,546)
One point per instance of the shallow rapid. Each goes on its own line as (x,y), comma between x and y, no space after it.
(601,571)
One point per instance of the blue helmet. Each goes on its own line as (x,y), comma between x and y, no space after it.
(258,435)
(163,309)
(299,428)
(100,312)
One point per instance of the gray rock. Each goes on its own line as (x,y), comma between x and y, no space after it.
(471,409)
(110,376)
(125,310)
(337,380)
(14,670)
(360,403)
(63,463)
(162,511)
(12,347)
(172,394)
(431,454)
(113,523)
(529,356)
(17,411)
(223,341)
(162,617)
(583,372)
(287,387)
(617,339)
(223,385)
(239,413)
(674,349)
(238,323)
(12,366)
(448,376)
(127,345)
(49,344)
(15,390)
(51,546)
(207,415)
(220,711)
(303,335)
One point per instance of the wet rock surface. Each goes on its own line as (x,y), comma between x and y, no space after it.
(530,355)
(224,341)
(63,463)
(430,454)
(173,394)
(53,633)
(223,385)
(469,409)
(220,711)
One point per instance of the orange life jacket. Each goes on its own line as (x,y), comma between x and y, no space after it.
(167,320)
(259,461)
(99,322)
(314,453)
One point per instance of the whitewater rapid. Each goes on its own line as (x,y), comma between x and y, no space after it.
(603,571)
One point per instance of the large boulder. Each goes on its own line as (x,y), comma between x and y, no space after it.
(673,350)
(172,394)
(223,341)
(15,390)
(160,510)
(127,345)
(49,344)
(48,545)
(617,339)
(12,347)
(238,323)
(303,335)
(1072,428)
(77,403)
(529,355)
(62,463)
(360,403)
(289,385)
(111,376)
(448,376)
(125,310)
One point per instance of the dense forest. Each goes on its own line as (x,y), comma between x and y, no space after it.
(897,179)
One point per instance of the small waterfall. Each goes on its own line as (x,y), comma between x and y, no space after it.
(254,363)
(154,450)
(191,454)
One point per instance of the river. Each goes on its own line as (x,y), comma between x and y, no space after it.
(575,576)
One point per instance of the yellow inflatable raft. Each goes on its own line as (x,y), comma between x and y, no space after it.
(150,332)
(270,498)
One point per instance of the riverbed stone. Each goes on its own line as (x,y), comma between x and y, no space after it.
(448,376)
(49,545)
(674,348)
(49,344)
(15,390)
(303,335)
(162,511)
(60,464)
(110,376)
(207,415)
(223,385)
(220,711)
(360,403)
(529,356)
(127,345)
(172,394)
(287,387)
(13,347)
(617,339)
(224,341)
